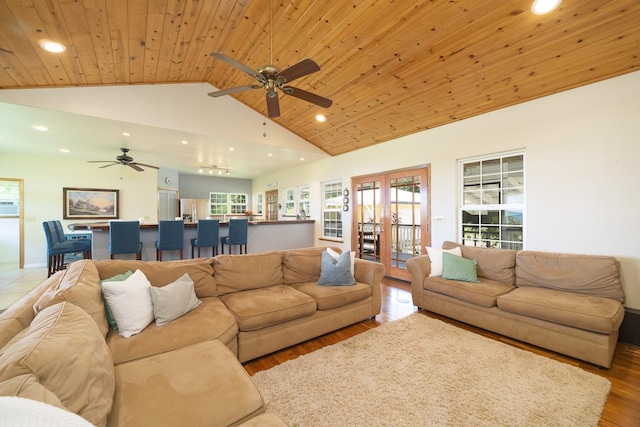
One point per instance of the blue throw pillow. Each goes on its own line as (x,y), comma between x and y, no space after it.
(457,268)
(117,278)
(336,272)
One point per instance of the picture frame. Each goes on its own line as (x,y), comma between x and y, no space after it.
(90,203)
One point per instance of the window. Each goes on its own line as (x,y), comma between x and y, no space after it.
(332,209)
(227,203)
(492,195)
(304,197)
(289,202)
(259,204)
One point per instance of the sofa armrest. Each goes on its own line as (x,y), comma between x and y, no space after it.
(371,273)
(419,267)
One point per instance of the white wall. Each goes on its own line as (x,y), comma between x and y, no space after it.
(44,178)
(582,179)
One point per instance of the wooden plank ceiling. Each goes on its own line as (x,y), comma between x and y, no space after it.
(392,68)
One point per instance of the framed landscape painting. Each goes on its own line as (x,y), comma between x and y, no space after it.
(90,203)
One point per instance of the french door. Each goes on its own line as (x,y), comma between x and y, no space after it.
(391,218)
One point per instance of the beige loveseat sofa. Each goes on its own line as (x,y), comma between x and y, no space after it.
(570,304)
(56,345)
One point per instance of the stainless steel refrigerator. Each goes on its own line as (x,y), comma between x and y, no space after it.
(192,210)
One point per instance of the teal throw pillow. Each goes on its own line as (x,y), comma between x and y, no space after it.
(117,278)
(457,268)
(336,272)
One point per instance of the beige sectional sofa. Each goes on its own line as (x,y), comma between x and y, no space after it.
(56,345)
(570,304)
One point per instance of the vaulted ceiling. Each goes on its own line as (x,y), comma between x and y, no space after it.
(392,68)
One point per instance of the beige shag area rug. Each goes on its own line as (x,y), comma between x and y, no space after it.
(419,371)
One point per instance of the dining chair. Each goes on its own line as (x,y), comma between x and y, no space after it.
(57,249)
(238,229)
(124,238)
(170,237)
(208,232)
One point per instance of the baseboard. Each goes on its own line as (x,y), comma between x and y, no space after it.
(630,328)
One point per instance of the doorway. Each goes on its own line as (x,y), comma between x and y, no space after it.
(11,223)
(391,218)
(271,197)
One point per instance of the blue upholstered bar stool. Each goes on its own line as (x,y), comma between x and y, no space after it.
(208,232)
(58,247)
(238,229)
(124,238)
(170,237)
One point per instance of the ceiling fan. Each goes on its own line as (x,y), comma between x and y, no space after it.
(125,160)
(271,78)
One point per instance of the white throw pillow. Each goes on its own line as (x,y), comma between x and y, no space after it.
(435,256)
(336,255)
(130,303)
(173,300)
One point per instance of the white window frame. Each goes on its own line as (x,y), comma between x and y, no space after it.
(491,201)
(304,200)
(227,203)
(332,209)
(289,205)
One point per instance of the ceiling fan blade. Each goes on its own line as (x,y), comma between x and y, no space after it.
(308,96)
(273,104)
(101,161)
(135,166)
(112,164)
(301,69)
(234,63)
(232,90)
(146,166)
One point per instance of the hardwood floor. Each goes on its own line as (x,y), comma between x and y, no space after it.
(622,407)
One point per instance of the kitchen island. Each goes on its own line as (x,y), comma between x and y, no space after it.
(262,236)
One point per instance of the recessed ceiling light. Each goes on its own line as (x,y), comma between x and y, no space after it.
(41,128)
(270,155)
(53,47)
(540,7)
(64,150)
(301,158)
(185,142)
(231,148)
(126,134)
(321,118)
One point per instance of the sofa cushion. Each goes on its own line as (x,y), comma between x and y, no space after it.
(588,312)
(329,297)
(585,274)
(68,355)
(205,382)
(260,308)
(173,300)
(211,320)
(117,278)
(302,265)
(483,293)
(79,285)
(9,328)
(161,273)
(455,267)
(494,264)
(435,258)
(336,272)
(28,387)
(235,273)
(130,303)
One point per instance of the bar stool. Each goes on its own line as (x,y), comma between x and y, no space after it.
(124,238)
(208,232)
(237,234)
(57,249)
(170,237)
(83,246)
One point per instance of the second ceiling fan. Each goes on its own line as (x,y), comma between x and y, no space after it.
(272,79)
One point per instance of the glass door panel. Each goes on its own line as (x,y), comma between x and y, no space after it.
(367,215)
